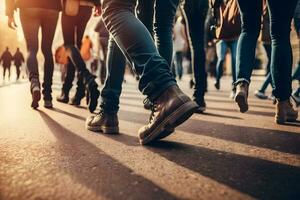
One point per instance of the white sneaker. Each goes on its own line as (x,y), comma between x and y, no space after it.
(260,94)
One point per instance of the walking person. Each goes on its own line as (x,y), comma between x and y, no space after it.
(6,59)
(281,59)
(265,38)
(18,61)
(171,106)
(75,17)
(103,48)
(180,46)
(227,33)
(36,14)
(194,13)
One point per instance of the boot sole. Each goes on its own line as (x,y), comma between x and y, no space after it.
(286,119)
(36,97)
(240,99)
(103,129)
(167,126)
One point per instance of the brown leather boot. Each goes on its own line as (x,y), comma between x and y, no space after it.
(169,110)
(103,122)
(241,97)
(285,112)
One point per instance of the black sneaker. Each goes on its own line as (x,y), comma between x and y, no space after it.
(217,85)
(63,98)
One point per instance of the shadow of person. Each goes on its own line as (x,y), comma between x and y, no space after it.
(278,140)
(68,114)
(99,172)
(258,178)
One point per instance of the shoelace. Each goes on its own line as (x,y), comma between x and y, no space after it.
(153,107)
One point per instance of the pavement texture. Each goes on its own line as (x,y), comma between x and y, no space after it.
(222,154)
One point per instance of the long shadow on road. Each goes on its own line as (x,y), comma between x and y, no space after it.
(99,172)
(258,178)
(283,141)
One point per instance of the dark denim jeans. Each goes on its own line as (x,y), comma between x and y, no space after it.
(195,12)
(154,70)
(281,59)
(73,28)
(32,19)
(221,48)
(268,79)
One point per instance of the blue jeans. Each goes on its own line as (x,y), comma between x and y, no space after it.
(141,52)
(268,79)
(221,48)
(281,59)
(195,12)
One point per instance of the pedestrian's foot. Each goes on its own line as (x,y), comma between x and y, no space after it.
(169,110)
(35,92)
(241,97)
(93,95)
(260,95)
(63,98)
(285,112)
(201,105)
(217,85)
(296,99)
(103,122)
(76,99)
(48,104)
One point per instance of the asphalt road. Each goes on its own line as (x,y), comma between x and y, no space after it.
(48,154)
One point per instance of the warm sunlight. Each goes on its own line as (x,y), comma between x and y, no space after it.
(3,20)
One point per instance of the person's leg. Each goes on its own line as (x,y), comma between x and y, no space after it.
(123,25)
(82,19)
(195,12)
(281,59)
(145,13)
(18,71)
(268,80)
(8,72)
(179,64)
(4,72)
(251,22)
(221,47)
(116,63)
(68,31)
(170,106)
(233,47)
(30,20)
(49,22)
(30,24)
(165,11)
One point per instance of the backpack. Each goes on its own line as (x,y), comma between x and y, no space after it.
(230,22)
